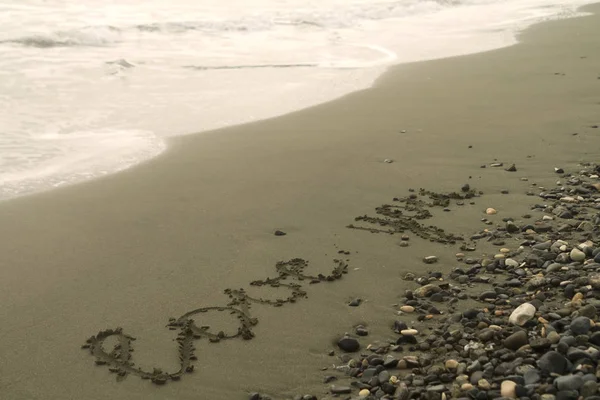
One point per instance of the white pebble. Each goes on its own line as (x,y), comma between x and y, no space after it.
(522,314)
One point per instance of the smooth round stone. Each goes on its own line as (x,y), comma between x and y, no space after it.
(553,362)
(577,255)
(507,389)
(340,389)
(384,376)
(407,309)
(426,290)
(580,325)
(491,211)
(465,387)
(509,262)
(349,344)
(569,382)
(554,267)
(483,384)
(430,259)
(531,377)
(589,388)
(522,314)
(451,365)
(516,340)
(364,393)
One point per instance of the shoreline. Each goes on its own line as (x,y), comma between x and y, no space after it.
(160,239)
(163,143)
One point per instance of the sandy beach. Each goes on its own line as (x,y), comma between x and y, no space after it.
(155,241)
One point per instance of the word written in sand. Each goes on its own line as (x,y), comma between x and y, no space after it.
(119,359)
(407,212)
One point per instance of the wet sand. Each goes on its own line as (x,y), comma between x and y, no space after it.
(168,236)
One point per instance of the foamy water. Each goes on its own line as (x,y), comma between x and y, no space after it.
(90,87)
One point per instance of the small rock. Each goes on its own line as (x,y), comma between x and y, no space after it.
(340,389)
(388,161)
(355,303)
(577,255)
(409,332)
(430,259)
(516,340)
(279,233)
(589,311)
(491,211)
(451,365)
(483,384)
(512,168)
(589,388)
(507,389)
(361,331)
(364,393)
(348,344)
(553,362)
(427,290)
(580,325)
(522,314)
(407,309)
(569,382)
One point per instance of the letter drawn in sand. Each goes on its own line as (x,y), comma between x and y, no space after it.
(119,359)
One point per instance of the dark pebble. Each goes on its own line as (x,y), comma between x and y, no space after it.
(553,362)
(516,340)
(348,344)
(580,325)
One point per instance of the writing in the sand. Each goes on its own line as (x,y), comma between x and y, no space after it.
(119,359)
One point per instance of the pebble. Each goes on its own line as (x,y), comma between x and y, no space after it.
(569,382)
(580,325)
(340,389)
(348,344)
(577,255)
(355,303)
(522,314)
(553,362)
(364,393)
(409,332)
(407,309)
(491,211)
(507,389)
(430,259)
(516,340)
(483,384)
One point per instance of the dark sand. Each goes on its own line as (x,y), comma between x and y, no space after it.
(168,236)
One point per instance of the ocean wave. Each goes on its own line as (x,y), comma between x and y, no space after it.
(251,66)
(88,36)
(341,17)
